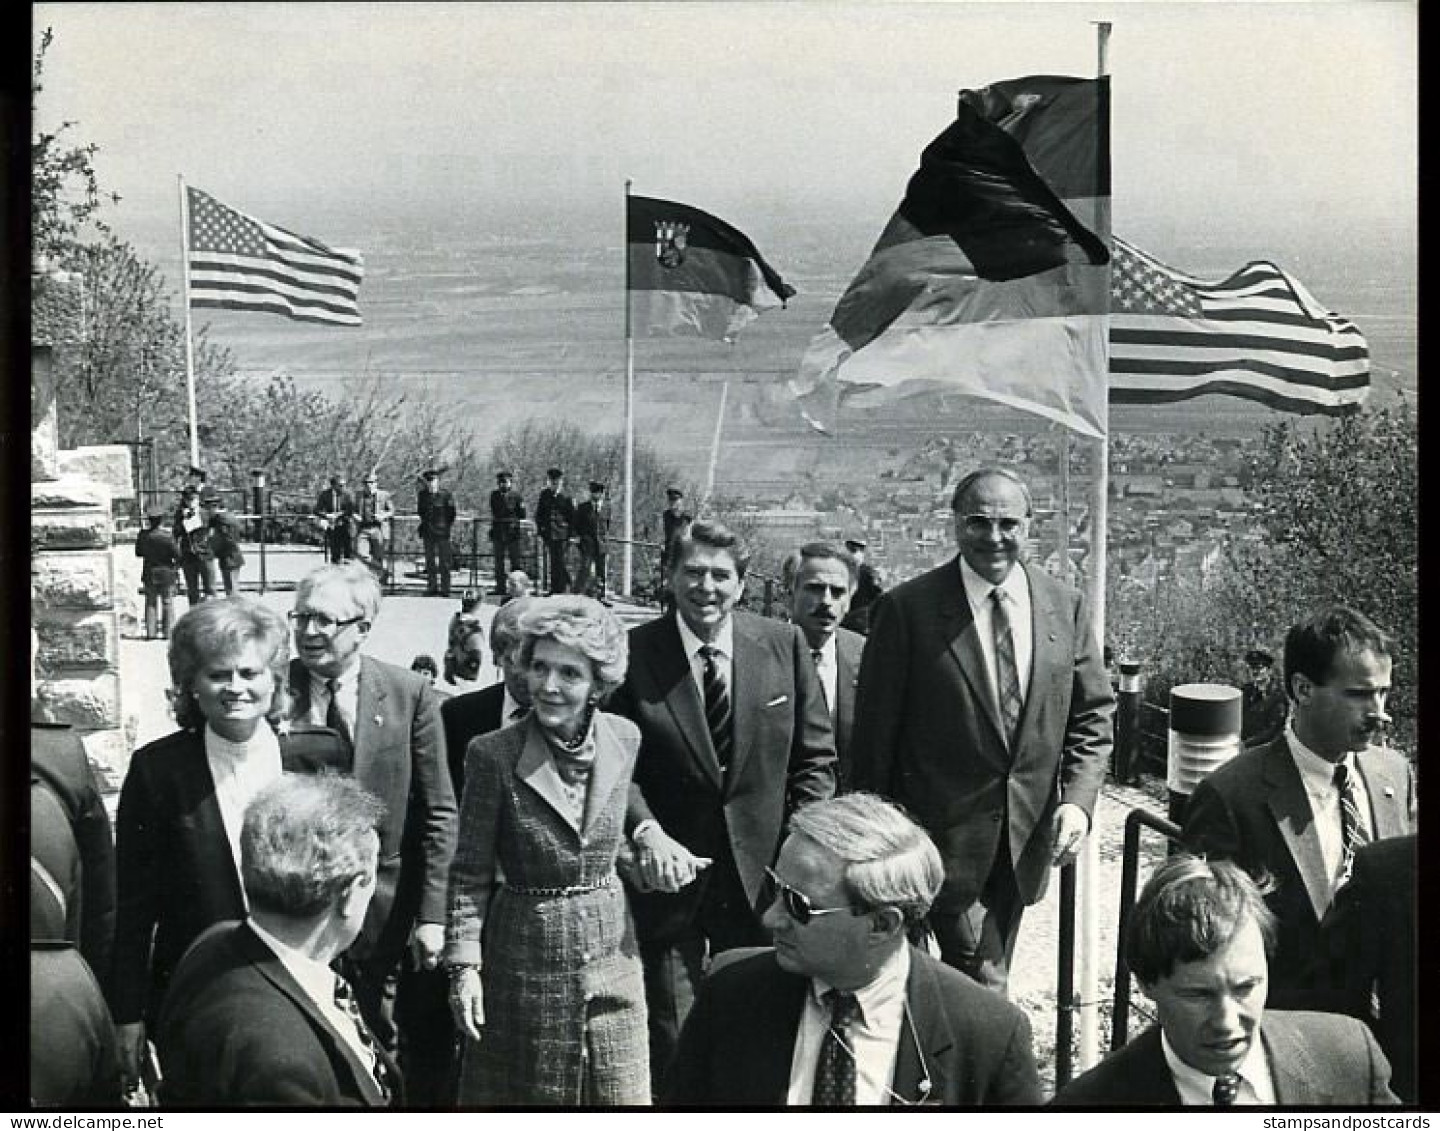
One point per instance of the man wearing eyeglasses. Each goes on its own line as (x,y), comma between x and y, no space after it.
(842,1011)
(390,719)
(984,709)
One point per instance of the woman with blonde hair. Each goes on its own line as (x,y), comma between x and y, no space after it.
(553,1002)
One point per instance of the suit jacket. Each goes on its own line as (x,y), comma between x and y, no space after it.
(159,556)
(783,754)
(176,875)
(554,515)
(849,648)
(928,734)
(592,526)
(1318,1059)
(338,506)
(969,1043)
(1367,952)
(437,512)
(237,1030)
(73,1057)
(399,755)
(507,508)
(1254,810)
(70,838)
(465,717)
(380,507)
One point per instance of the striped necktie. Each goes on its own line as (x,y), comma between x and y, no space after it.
(334,716)
(1227,1088)
(835,1068)
(718,715)
(346,1003)
(1353,833)
(1007,672)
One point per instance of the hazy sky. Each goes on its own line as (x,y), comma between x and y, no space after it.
(1224,114)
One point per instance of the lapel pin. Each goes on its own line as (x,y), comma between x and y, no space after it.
(1389,791)
(379,721)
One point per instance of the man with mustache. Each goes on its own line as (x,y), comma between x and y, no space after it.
(1299,807)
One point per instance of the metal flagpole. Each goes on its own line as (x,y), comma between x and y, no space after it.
(189,349)
(1088,878)
(627,558)
(714,449)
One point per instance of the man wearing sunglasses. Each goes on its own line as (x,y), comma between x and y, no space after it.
(843,1011)
(984,708)
(390,720)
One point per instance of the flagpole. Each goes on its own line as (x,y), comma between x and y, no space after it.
(627,558)
(1088,880)
(714,449)
(189,349)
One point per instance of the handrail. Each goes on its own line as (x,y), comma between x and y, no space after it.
(1129,881)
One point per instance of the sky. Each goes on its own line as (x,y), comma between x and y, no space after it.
(1224,116)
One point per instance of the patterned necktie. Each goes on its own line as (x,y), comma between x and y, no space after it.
(346,1003)
(1006,670)
(334,717)
(835,1069)
(1227,1087)
(718,715)
(1353,834)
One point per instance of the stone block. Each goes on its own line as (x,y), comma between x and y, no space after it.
(44,421)
(69,492)
(79,579)
(109,464)
(70,641)
(129,600)
(86,702)
(70,530)
(109,753)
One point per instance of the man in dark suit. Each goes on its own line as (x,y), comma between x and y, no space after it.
(592,528)
(1367,953)
(335,511)
(843,1011)
(1263,705)
(390,719)
(507,509)
(159,559)
(555,518)
(255,1016)
(820,581)
(734,738)
(192,540)
(436,508)
(1198,943)
(674,521)
(984,708)
(475,713)
(1298,808)
(867,588)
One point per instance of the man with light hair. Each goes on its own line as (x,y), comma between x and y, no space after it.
(390,720)
(842,1011)
(255,1015)
(1198,944)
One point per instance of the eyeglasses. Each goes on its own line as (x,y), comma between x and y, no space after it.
(321,622)
(797,903)
(981,525)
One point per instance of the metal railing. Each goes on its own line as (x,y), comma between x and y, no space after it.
(1129,882)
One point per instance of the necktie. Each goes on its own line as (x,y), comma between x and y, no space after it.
(334,717)
(815,655)
(1227,1087)
(346,1003)
(1006,671)
(1353,834)
(835,1069)
(717,707)
(518,713)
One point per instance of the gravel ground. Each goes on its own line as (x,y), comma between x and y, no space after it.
(408,625)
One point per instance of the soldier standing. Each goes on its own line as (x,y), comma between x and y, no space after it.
(436,507)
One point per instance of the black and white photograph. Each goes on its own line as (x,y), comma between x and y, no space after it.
(718,556)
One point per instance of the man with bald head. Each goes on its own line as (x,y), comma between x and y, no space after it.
(984,708)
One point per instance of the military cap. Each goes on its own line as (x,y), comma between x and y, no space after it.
(1259,658)
(155,510)
(674,493)
(596,485)
(853,544)
(555,473)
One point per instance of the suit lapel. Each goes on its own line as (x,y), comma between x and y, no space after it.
(537,770)
(958,625)
(1290,806)
(1389,793)
(670,669)
(920,1068)
(746,665)
(299,690)
(211,840)
(847,671)
(273,970)
(611,768)
(370,703)
(1294,1071)
(1048,622)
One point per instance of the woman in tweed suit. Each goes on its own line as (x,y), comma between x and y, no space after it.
(558,1014)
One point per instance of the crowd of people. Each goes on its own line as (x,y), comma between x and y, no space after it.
(718,859)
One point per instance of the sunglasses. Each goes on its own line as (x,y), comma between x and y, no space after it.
(797,903)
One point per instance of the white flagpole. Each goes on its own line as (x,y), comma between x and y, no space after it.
(714,449)
(189,349)
(1088,879)
(627,558)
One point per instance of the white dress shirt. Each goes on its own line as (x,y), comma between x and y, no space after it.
(1198,1090)
(1017,593)
(318,982)
(1317,774)
(874,1035)
(828,667)
(347,696)
(240,770)
(724,645)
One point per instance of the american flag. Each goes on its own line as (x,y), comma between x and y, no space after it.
(1258,334)
(241,263)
